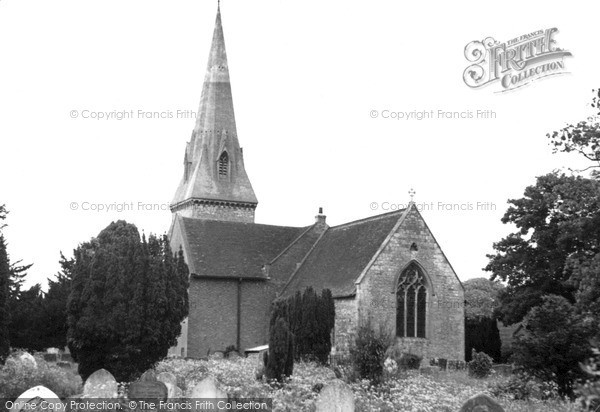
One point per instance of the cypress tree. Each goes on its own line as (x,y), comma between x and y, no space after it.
(4,291)
(128,298)
(280,360)
(310,318)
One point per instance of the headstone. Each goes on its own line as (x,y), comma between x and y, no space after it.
(178,392)
(336,396)
(28,359)
(100,384)
(31,400)
(50,357)
(148,390)
(170,382)
(207,388)
(66,357)
(148,376)
(481,403)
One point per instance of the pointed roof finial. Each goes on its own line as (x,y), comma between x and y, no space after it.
(412,193)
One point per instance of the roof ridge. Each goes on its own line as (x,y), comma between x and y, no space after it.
(293,243)
(375,217)
(312,248)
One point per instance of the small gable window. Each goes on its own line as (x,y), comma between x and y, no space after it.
(223,166)
(411,300)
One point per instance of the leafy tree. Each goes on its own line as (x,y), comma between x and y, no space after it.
(582,138)
(481,329)
(4,291)
(128,298)
(554,343)
(557,221)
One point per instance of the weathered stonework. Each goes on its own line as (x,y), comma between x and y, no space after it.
(346,320)
(376,292)
(213,210)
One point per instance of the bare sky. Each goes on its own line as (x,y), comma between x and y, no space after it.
(305,78)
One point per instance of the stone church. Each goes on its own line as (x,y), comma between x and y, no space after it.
(388,268)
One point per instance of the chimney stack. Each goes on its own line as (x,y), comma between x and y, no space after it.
(320,218)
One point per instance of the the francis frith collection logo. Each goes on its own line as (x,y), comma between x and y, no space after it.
(516,62)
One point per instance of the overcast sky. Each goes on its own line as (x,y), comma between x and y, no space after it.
(306,77)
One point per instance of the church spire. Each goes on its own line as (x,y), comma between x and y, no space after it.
(214,177)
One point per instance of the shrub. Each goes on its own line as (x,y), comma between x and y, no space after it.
(368,352)
(279,361)
(311,318)
(229,349)
(589,392)
(555,341)
(410,361)
(480,365)
(16,377)
(522,386)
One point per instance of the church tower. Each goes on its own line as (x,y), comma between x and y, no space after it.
(214,184)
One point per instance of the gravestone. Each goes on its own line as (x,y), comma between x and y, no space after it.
(207,388)
(481,403)
(50,357)
(336,396)
(28,360)
(170,382)
(148,391)
(100,384)
(31,400)
(148,376)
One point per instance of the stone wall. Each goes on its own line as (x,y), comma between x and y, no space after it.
(217,211)
(345,323)
(445,297)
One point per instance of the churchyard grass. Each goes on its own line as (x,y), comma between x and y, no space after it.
(17,376)
(406,390)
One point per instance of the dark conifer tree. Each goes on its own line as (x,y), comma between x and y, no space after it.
(128,298)
(4,292)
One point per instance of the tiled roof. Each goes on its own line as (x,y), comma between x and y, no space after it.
(341,255)
(233,249)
